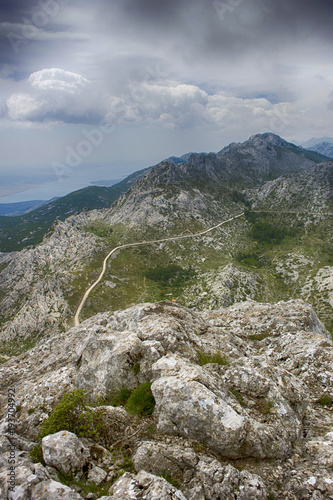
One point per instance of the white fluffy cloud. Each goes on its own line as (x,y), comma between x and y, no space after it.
(55,95)
(187,106)
(59,96)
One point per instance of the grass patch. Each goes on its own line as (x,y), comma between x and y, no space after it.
(99,490)
(204,358)
(249,260)
(136,367)
(325,400)
(98,228)
(141,401)
(238,396)
(170,276)
(259,336)
(170,479)
(119,398)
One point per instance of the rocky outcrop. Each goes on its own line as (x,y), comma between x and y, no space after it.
(236,403)
(33,285)
(65,452)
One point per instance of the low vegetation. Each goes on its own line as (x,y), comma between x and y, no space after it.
(73,414)
(170,276)
(204,358)
(98,228)
(250,259)
(139,401)
(325,400)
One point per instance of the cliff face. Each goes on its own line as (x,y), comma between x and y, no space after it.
(243,404)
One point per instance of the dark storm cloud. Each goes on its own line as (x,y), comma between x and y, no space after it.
(214,21)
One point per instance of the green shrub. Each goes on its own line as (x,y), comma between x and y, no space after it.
(204,358)
(31,411)
(325,400)
(36,454)
(266,233)
(136,367)
(73,415)
(119,398)
(141,401)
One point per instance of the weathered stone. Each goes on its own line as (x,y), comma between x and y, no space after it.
(24,480)
(322,449)
(203,477)
(195,402)
(106,361)
(144,485)
(65,452)
(96,475)
(52,490)
(263,403)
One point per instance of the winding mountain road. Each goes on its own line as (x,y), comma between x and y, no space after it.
(173,238)
(128,245)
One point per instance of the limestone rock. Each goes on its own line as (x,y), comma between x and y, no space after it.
(51,490)
(262,401)
(144,486)
(65,452)
(96,475)
(203,477)
(25,479)
(197,403)
(322,449)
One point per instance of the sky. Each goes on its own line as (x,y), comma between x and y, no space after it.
(96,90)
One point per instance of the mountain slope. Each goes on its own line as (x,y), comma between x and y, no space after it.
(21,208)
(19,232)
(281,249)
(203,188)
(316,140)
(324,148)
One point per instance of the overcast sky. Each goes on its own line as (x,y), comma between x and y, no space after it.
(93,90)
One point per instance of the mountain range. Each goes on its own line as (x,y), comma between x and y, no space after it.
(200,364)
(324,148)
(280,249)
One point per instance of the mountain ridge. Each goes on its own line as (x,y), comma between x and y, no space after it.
(285,251)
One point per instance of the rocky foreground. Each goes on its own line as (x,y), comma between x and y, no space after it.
(255,424)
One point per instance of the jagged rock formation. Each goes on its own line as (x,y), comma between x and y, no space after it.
(244,427)
(34,281)
(205,182)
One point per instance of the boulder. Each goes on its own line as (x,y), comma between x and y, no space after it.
(202,477)
(197,402)
(52,490)
(96,475)
(144,486)
(65,452)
